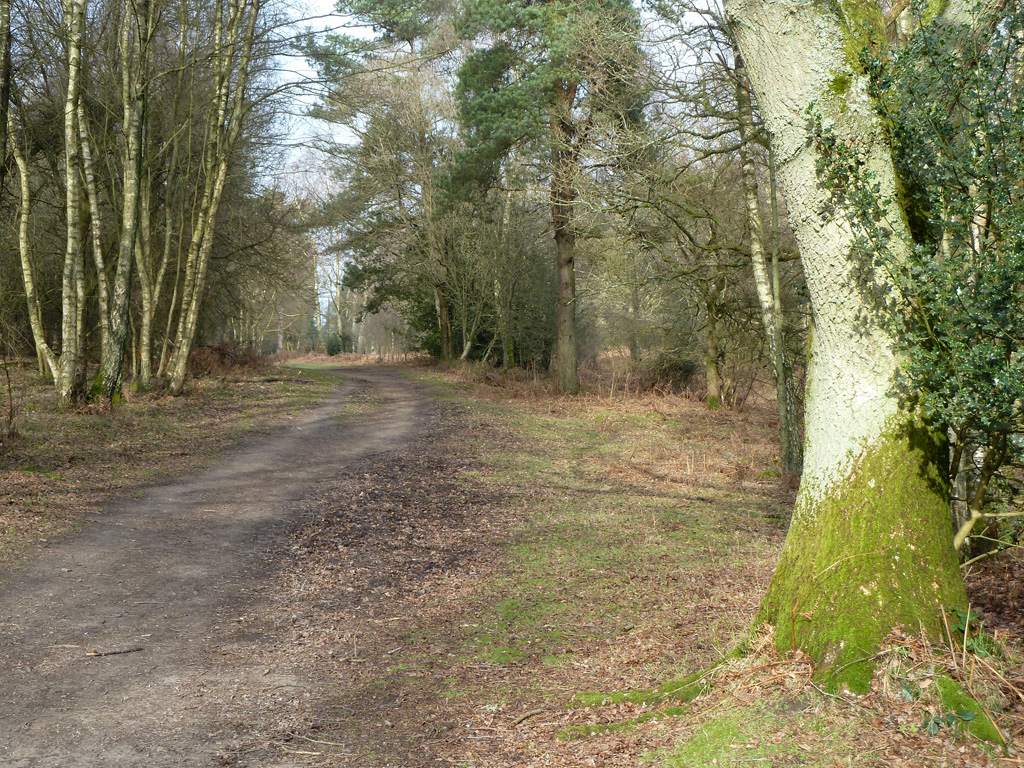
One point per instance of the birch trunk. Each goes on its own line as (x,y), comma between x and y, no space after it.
(134,43)
(234,38)
(149,284)
(95,228)
(790,450)
(173,233)
(47,357)
(870,544)
(68,378)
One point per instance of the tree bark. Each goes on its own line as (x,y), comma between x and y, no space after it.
(5,85)
(444,324)
(711,370)
(563,198)
(234,38)
(69,379)
(135,32)
(790,450)
(95,228)
(47,358)
(870,544)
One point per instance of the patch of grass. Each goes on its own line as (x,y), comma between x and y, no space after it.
(642,536)
(775,727)
(595,556)
(601,729)
(681,690)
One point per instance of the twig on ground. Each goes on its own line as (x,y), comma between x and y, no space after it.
(527,716)
(851,702)
(318,741)
(113,653)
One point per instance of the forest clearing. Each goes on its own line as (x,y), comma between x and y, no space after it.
(485,591)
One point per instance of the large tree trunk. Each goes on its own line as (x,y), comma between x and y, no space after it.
(790,449)
(870,545)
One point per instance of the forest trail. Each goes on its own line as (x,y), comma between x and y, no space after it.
(172,574)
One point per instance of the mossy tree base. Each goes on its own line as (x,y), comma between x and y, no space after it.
(871,553)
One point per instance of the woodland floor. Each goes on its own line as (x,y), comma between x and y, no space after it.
(406,569)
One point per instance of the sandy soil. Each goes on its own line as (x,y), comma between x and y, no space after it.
(168,579)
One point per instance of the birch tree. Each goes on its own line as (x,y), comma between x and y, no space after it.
(67,367)
(768,284)
(234,40)
(136,31)
(870,543)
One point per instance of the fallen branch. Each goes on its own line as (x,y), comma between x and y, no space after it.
(113,653)
(527,716)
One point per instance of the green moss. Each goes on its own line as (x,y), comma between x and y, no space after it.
(863,29)
(584,731)
(956,699)
(840,84)
(869,555)
(932,10)
(728,740)
(680,690)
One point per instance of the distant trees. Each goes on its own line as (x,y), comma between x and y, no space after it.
(548,76)
(159,102)
(461,269)
(459,117)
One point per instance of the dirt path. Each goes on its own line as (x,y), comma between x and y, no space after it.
(174,574)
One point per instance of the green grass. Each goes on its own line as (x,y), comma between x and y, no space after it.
(592,558)
(769,731)
(629,529)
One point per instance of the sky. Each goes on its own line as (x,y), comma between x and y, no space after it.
(301,163)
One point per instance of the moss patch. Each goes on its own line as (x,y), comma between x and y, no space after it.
(751,736)
(863,29)
(584,731)
(869,555)
(680,690)
(956,700)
